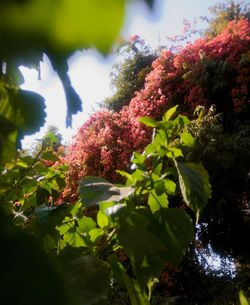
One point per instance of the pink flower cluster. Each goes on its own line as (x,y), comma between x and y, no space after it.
(106,141)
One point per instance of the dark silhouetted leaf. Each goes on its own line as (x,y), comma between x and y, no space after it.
(25,110)
(74,103)
(175,229)
(8,140)
(25,266)
(89,279)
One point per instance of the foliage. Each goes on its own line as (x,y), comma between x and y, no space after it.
(94,234)
(223,13)
(52,139)
(110,220)
(31,181)
(128,75)
(25,268)
(222,233)
(209,71)
(229,170)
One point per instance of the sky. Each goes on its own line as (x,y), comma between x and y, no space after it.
(90,71)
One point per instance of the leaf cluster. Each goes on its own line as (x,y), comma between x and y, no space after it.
(128,75)
(131,229)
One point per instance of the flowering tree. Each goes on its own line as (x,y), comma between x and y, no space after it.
(206,72)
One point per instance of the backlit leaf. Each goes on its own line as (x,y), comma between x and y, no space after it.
(95,234)
(187,139)
(168,115)
(86,224)
(148,122)
(156,202)
(243,299)
(102,219)
(74,239)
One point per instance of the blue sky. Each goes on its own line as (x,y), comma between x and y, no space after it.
(89,70)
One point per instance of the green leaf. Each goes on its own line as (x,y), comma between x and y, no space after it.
(194,184)
(136,295)
(74,239)
(13,75)
(181,121)
(8,140)
(21,163)
(243,299)
(102,219)
(64,228)
(76,208)
(103,206)
(168,115)
(170,186)
(148,121)
(151,148)
(88,278)
(95,234)
(73,100)
(21,254)
(48,218)
(94,190)
(42,195)
(152,240)
(63,26)
(86,224)
(25,110)
(146,252)
(138,158)
(49,139)
(116,209)
(174,152)
(126,175)
(187,139)
(74,23)
(155,201)
(48,155)
(159,186)
(175,229)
